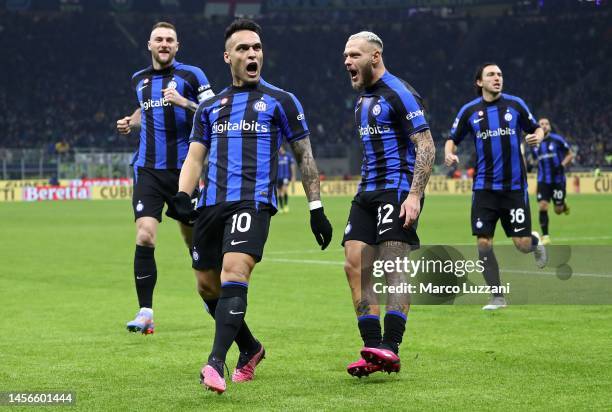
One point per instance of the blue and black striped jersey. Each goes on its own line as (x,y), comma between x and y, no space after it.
(496,129)
(386,115)
(550,154)
(165,128)
(285,161)
(243,128)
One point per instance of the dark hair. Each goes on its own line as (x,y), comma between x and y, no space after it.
(242,24)
(478,76)
(164,25)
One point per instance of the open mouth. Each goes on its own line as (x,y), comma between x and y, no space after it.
(353,74)
(251,69)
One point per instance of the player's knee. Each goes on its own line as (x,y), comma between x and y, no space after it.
(237,270)
(543,206)
(485,244)
(523,244)
(145,237)
(208,284)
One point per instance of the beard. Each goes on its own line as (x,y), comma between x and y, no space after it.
(367,74)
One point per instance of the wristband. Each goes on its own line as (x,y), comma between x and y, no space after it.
(315,204)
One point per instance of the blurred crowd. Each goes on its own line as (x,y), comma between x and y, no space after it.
(66,76)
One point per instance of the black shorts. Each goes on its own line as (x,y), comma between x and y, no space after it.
(153,188)
(554,191)
(374,218)
(282,182)
(511,207)
(240,226)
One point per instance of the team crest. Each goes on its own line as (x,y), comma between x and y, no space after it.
(479,224)
(139,206)
(195,255)
(348,228)
(260,106)
(376,109)
(508,117)
(551,147)
(172,84)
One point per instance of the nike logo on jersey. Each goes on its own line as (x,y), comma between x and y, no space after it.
(235,313)
(234,242)
(380,232)
(142,277)
(478,120)
(217,109)
(142,87)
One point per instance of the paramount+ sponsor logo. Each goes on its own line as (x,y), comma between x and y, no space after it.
(376,129)
(243,126)
(148,104)
(506,131)
(34,194)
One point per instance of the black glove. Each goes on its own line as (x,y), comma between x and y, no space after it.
(184,207)
(321,227)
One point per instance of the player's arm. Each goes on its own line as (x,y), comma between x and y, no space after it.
(569,154)
(319,224)
(423,165)
(535,138)
(192,167)
(529,124)
(125,124)
(174,97)
(450,150)
(310,173)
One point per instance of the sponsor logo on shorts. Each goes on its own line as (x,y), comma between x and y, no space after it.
(235,242)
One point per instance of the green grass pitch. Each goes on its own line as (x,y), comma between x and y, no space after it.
(67,289)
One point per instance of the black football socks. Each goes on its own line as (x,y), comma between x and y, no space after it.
(145,275)
(395,326)
(229,317)
(244,339)
(544,222)
(369,328)
(491,268)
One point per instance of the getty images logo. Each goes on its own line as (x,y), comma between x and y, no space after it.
(146,105)
(244,126)
(506,131)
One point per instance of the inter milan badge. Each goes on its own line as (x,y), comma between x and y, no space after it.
(376,109)
(508,117)
(139,206)
(172,84)
(348,228)
(478,224)
(195,255)
(260,106)
(551,147)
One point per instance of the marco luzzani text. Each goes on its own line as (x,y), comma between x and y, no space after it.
(412,268)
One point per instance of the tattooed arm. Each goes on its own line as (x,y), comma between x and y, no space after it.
(310,174)
(425,156)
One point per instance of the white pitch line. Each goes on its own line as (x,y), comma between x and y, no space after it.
(523,272)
